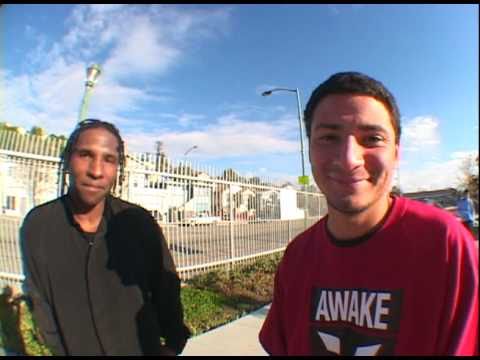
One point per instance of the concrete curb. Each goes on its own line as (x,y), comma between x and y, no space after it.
(239,337)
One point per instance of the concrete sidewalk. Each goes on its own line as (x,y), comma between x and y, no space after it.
(240,337)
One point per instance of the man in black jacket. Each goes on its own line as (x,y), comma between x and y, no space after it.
(98,270)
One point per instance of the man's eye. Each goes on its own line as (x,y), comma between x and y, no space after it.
(374,139)
(111,159)
(328,138)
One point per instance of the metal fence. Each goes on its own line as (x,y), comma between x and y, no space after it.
(209,218)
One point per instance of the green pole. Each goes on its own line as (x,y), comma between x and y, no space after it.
(92,73)
(85,101)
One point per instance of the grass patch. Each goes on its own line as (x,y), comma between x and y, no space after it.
(218,297)
(209,300)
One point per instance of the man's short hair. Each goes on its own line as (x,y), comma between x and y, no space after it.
(354,83)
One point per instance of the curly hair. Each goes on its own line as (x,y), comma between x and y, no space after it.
(72,141)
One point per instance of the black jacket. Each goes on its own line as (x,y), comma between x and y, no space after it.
(113,294)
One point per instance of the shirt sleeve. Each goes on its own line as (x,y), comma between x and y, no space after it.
(272,334)
(460,324)
(42,311)
(165,286)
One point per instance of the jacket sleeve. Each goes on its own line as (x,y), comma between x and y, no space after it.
(165,286)
(34,288)
(460,324)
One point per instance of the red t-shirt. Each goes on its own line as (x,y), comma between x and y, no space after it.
(410,288)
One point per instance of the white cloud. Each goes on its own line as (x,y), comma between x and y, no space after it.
(435,175)
(50,100)
(142,51)
(464,154)
(185,120)
(421,165)
(105,8)
(420,133)
(143,40)
(229,136)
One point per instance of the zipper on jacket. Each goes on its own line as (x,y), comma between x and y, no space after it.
(90,245)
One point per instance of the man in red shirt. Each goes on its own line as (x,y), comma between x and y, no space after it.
(379,274)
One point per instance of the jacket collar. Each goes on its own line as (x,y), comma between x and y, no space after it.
(68,206)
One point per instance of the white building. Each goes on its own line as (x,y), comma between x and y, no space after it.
(288,204)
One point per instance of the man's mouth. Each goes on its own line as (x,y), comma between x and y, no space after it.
(347,181)
(92,187)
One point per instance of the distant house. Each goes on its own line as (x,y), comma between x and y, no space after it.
(23,186)
(445,198)
(242,201)
(170,193)
(288,204)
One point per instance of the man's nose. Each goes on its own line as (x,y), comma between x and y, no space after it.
(95,168)
(352,153)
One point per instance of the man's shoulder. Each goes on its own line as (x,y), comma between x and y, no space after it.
(123,209)
(38,222)
(302,244)
(45,211)
(419,216)
(426,212)
(120,204)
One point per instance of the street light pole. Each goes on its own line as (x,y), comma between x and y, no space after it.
(185,200)
(93,72)
(300,124)
(303,180)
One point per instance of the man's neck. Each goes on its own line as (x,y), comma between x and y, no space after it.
(350,226)
(88,218)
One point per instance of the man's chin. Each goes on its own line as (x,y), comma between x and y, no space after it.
(88,202)
(347,206)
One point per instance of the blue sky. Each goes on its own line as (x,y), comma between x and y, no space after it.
(193,74)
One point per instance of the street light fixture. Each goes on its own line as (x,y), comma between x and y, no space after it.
(302,180)
(93,72)
(190,149)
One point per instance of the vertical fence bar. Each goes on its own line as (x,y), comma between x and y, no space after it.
(232,241)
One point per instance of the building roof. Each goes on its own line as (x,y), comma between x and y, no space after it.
(443,197)
(431,193)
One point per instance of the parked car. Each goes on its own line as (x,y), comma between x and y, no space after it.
(203,220)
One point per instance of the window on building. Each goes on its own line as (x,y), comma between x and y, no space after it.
(10,203)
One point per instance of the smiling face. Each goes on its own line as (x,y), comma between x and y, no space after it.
(93,166)
(353,152)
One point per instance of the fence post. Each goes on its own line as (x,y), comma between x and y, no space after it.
(289,222)
(232,240)
(319,206)
(304,208)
